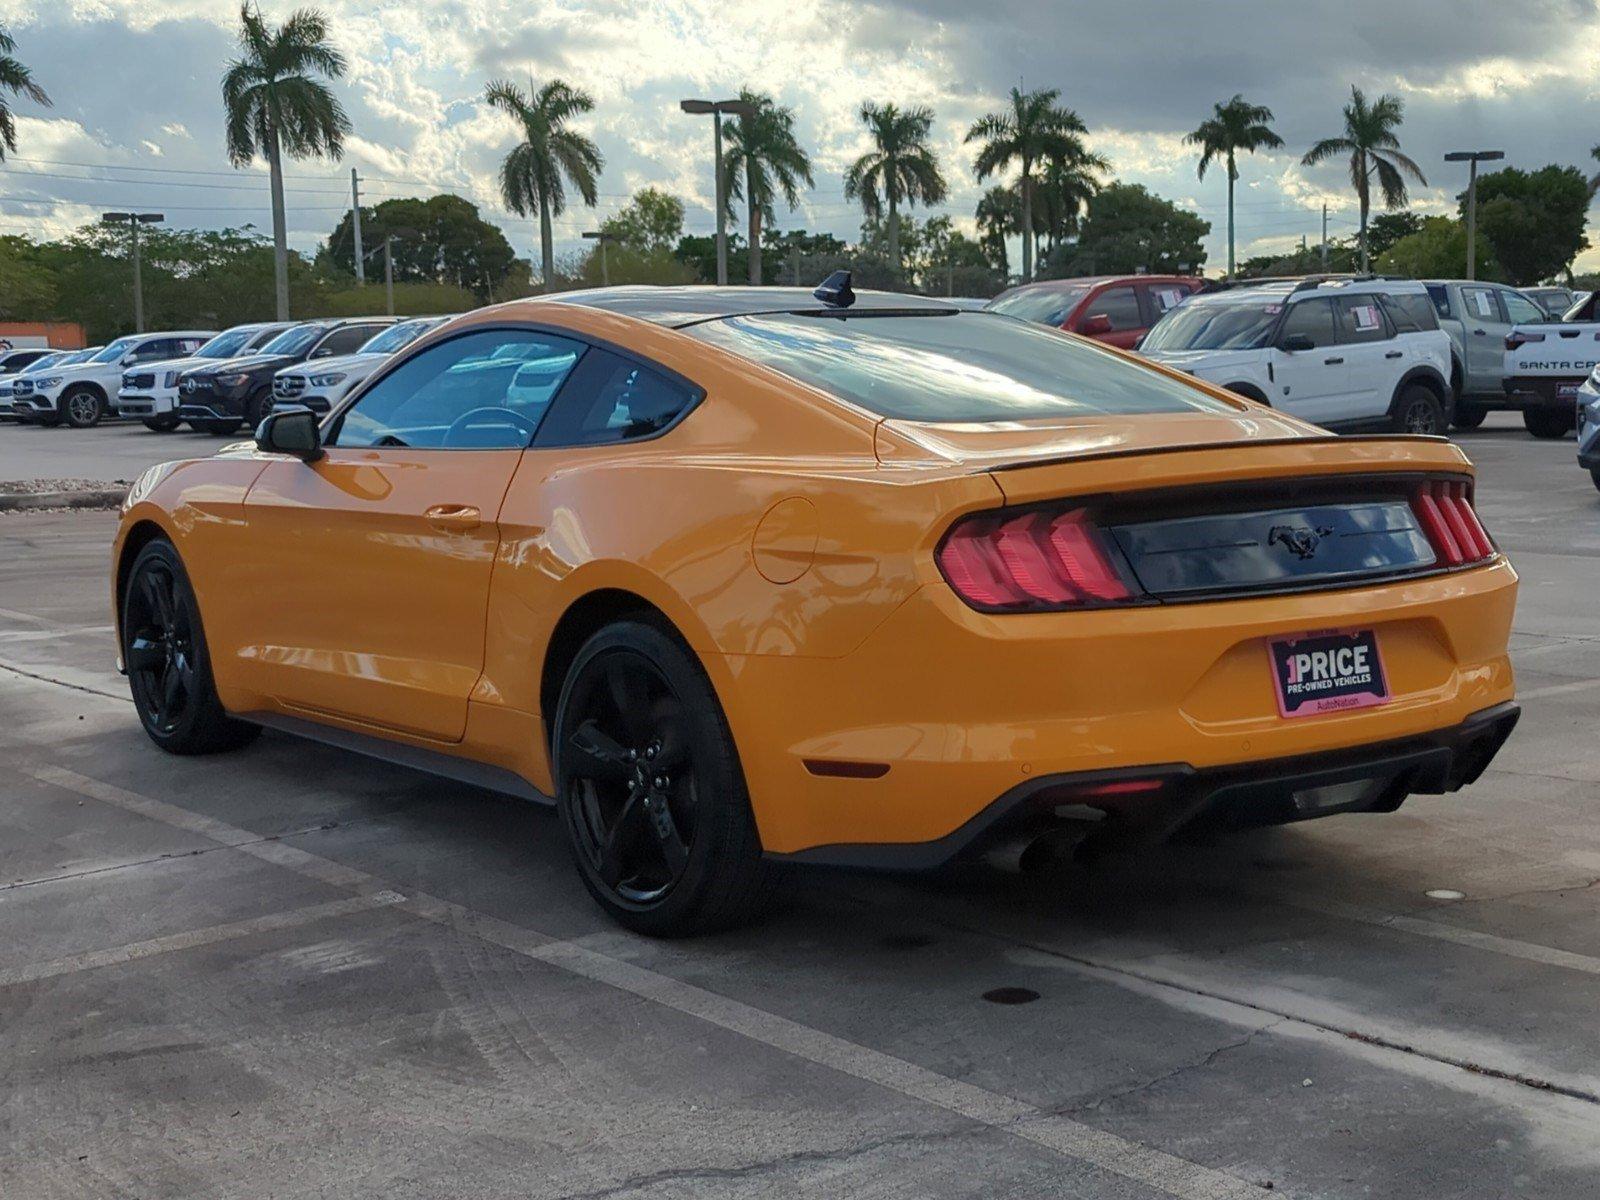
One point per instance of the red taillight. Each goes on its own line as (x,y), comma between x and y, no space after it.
(1037,560)
(1444,508)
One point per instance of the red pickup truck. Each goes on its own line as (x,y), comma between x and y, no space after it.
(1116,309)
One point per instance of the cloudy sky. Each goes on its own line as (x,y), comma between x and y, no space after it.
(137,118)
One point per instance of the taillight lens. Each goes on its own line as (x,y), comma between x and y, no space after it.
(1034,561)
(1444,507)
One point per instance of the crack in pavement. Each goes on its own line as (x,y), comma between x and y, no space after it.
(1198,1065)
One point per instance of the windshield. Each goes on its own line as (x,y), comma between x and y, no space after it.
(960,366)
(293,341)
(1049,306)
(396,336)
(48,360)
(224,345)
(1215,325)
(115,350)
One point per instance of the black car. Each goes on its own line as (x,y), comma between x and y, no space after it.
(221,398)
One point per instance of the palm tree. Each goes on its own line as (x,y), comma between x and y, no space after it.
(1032,132)
(1232,127)
(16,79)
(900,166)
(760,158)
(1594,180)
(536,172)
(275,105)
(1065,188)
(998,217)
(1370,142)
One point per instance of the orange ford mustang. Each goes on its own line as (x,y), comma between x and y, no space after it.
(740,576)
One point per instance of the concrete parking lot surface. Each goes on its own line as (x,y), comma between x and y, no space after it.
(115,450)
(295,972)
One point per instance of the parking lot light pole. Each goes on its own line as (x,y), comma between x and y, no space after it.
(134,220)
(602,237)
(716,108)
(1474,157)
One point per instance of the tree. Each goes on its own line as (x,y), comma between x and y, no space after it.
(442,239)
(761,158)
(798,257)
(1128,229)
(276,105)
(999,215)
(538,168)
(1388,228)
(1032,132)
(17,80)
(1436,250)
(651,221)
(901,166)
(1234,126)
(1533,221)
(1370,141)
(1594,180)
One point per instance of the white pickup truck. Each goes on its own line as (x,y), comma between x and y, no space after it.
(1547,363)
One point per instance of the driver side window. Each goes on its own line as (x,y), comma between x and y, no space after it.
(486,390)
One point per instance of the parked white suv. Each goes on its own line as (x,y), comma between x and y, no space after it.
(1352,353)
(81,395)
(321,383)
(149,391)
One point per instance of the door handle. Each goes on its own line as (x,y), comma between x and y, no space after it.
(1329,362)
(1392,354)
(460,517)
(1480,333)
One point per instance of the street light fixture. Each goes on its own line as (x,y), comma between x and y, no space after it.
(1474,157)
(134,220)
(739,108)
(601,236)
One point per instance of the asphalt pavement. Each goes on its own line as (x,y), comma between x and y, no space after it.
(294,972)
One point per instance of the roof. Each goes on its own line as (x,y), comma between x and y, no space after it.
(1077,281)
(678,306)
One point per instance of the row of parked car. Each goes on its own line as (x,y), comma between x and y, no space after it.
(214,382)
(1345,351)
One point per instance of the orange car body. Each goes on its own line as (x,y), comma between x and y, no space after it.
(428,599)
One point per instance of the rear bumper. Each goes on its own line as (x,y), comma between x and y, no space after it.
(1543,392)
(1128,812)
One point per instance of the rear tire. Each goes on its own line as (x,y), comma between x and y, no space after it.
(1594,474)
(82,407)
(1418,411)
(650,790)
(1468,416)
(1549,423)
(162,424)
(169,666)
(257,408)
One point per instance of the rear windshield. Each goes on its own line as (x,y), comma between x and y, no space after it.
(1216,325)
(956,367)
(1049,306)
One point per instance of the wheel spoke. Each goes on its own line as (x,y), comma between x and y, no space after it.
(672,734)
(597,755)
(668,838)
(610,862)
(146,653)
(631,698)
(171,686)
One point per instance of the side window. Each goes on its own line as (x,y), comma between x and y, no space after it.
(1480,305)
(1440,295)
(153,349)
(486,390)
(345,340)
(1120,304)
(612,399)
(1309,318)
(1360,319)
(1522,311)
(1163,298)
(1410,313)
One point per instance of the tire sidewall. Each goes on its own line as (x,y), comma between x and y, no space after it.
(721,799)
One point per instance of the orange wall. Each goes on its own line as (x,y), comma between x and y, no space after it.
(58,335)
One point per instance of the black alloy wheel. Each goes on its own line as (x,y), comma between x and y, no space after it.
(650,789)
(1419,411)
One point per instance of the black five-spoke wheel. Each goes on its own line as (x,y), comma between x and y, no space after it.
(650,788)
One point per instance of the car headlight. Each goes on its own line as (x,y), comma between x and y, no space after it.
(238,379)
(49,381)
(327,380)
(171,380)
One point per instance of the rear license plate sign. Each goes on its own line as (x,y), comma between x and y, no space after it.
(1327,672)
(1567,391)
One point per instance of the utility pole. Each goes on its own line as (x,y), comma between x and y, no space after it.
(602,237)
(388,272)
(716,108)
(1324,236)
(134,220)
(1474,157)
(355,225)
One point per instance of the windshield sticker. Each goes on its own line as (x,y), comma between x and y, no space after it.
(1169,298)
(1366,316)
(1273,309)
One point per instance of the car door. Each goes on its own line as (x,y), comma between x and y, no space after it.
(1372,356)
(369,568)
(1309,383)
(1123,320)
(1483,328)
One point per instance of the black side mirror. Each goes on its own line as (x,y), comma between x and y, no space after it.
(291,431)
(1296,342)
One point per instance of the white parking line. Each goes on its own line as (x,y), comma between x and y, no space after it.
(1131,1160)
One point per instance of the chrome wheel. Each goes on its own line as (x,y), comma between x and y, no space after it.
(83,409)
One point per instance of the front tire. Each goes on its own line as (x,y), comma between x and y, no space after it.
(161,424)
(1468,416)
(1549,423)
(650,790)
(82,408)
(1418,411)
(169,666)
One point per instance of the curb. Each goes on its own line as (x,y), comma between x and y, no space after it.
(92,498)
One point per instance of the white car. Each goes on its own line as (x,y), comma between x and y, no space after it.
(82,394)
(19,362)
(319,385)
(149,391)
(1546,364)
(1352,353)
(67,358)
